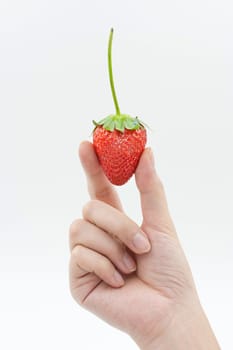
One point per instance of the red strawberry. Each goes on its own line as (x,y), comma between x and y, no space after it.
(119,152)
(119,139)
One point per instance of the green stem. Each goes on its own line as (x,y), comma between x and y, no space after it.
(110,73)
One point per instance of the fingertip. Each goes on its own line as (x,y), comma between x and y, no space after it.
(117,279)
(141,243)
(84,148)
(99,186)
(147,156)
(88,157)
(145,171)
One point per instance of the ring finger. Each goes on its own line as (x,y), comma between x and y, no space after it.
(88,235)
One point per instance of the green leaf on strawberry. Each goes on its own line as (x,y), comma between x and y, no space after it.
(119,122)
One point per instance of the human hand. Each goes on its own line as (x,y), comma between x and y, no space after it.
(153,297)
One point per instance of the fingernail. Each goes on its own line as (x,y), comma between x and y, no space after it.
(129,262)
(118,279)
(141,243)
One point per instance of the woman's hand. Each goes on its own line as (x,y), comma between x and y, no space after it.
(135,277)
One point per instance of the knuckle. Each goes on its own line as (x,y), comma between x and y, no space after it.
(89,207)
(76,254)
(75,228)
(76,225)
(103,192)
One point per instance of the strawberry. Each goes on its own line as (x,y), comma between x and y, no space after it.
(118,139)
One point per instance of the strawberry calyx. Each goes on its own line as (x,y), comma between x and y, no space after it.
(120,123)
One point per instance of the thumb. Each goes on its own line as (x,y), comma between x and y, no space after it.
(153,199)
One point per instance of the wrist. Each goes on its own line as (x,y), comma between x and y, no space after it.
(189,329)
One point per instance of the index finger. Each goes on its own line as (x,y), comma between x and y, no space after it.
(99,186)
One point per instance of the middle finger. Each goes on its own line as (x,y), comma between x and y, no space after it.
(117,224)
(88,235)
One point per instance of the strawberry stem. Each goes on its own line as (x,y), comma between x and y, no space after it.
(110,72)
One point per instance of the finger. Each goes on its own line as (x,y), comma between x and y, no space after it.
(116,224)
(92,262)
(88,235)
(153,199)
(99,186)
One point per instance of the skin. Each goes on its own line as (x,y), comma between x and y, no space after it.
(152,298)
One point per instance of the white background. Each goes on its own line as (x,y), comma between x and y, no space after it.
(173,64)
